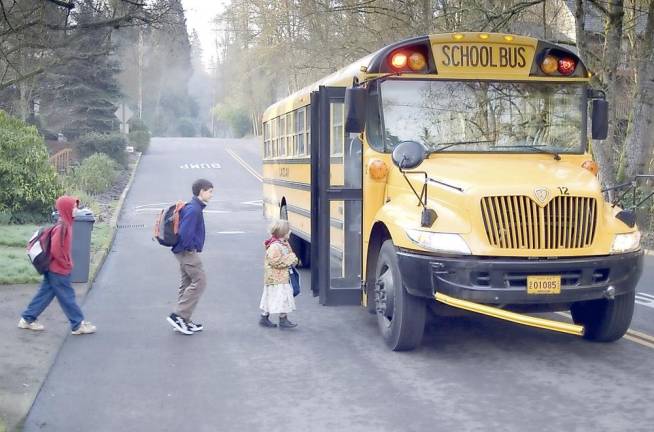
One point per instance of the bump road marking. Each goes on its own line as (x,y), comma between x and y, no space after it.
(635,336)
(245,165)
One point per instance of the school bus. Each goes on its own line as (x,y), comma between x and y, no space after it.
(455,169)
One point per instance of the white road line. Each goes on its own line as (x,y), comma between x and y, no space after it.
(230,232)
(152,205)
(245,165)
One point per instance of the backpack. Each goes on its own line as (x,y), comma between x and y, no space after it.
(166,227)
(38,248)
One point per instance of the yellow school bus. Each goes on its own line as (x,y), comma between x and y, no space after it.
(455,169)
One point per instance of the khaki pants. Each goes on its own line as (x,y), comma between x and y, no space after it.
(194,281)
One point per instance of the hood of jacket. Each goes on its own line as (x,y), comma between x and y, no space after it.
(65,206)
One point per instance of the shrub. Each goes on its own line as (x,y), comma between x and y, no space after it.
(136,124)
(28,183)
(237,119)
(113,145)
(140,139)
(96,174)
(186,127)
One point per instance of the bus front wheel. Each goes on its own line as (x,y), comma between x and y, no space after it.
(401,317)
(604,320)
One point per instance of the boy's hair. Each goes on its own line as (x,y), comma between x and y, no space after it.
(200,185)
(279,228)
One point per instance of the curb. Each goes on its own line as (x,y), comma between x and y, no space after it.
(113,223)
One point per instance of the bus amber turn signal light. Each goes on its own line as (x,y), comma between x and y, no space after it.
(417,61)
(549,65)
(377,169)
(591,166)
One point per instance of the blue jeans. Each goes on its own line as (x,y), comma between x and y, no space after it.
(55,285)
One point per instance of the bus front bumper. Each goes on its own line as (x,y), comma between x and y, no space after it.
(503,281)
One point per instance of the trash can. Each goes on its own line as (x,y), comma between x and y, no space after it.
(82,228)
(81,254)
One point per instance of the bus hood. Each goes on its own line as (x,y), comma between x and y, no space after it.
(537,176)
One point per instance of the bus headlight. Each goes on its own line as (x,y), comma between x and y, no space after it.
(626,242)
(439,242)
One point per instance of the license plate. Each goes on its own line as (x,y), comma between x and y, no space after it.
(543,284)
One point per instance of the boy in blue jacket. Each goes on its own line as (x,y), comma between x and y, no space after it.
(189,245)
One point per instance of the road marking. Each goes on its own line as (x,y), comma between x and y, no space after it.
(230,232)
(210,165)
(644,299)
(635,336)
(245,165)
(256,203)
(152,205)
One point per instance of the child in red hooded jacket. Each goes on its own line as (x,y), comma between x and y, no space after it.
(56,281)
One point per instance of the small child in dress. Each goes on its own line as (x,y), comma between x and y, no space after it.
(277,297)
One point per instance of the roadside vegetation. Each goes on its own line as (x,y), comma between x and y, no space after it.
(30,186)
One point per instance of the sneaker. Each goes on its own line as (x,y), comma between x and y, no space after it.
(285,323)
(265,322)
(179,324)
(34,325)
(85,328)
(194,327)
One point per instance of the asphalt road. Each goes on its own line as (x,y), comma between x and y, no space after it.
(333,372)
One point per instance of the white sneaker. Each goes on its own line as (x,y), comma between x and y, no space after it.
(85,328)
(34,325)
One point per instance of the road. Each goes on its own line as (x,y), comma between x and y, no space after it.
(333,372)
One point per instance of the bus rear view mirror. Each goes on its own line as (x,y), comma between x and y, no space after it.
(409,154)
(355,109)
(600,126)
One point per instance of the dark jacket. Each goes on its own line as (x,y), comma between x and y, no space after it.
(191,227)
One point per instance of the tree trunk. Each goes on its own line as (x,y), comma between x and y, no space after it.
(638,146)
(605,151)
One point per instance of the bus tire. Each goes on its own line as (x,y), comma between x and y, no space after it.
(302,250)
(604,320)
(400,316)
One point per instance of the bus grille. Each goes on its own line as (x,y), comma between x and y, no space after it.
(517,222)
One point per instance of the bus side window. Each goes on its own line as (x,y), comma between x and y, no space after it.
(373,120)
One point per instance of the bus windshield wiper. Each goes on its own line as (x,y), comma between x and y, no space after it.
(537,149)
(456,143)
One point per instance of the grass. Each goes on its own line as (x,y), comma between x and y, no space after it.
(16,235)
(16,268)
(2,426)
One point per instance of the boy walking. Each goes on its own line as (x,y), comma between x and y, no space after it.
(56,281)
(187,251)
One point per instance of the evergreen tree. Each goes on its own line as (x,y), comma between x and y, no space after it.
(81,95)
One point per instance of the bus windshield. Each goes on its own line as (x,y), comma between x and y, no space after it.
(448,116)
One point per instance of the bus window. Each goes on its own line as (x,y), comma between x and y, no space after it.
(299,130)
(290,136)
(337,132)
(308,135)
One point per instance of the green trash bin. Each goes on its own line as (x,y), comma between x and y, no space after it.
(82,228)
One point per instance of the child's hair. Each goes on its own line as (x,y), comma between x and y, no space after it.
(279,228)
(200,185)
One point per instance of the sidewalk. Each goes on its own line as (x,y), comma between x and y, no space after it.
(26,356)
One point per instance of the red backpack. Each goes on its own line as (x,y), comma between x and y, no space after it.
(166,227)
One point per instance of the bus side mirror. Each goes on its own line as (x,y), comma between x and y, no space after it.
(408,155)
(600,126)
(355,108)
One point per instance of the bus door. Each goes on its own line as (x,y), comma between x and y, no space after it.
(336,207)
